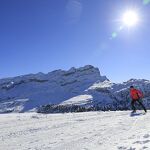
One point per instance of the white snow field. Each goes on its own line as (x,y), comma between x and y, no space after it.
(75,131)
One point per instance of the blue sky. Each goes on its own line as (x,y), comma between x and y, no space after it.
(44,35)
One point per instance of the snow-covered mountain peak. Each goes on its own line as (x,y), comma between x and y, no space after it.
(53,87)
(99,84)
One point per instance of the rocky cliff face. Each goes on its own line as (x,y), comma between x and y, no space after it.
(27,92)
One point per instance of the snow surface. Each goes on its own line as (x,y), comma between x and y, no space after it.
(78,100)
(75,131)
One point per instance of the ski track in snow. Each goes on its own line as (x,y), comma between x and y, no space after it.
(75,131)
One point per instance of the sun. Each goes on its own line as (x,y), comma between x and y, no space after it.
(130,18)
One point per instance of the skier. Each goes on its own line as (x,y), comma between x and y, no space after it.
(136,95)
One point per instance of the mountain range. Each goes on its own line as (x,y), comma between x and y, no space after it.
(77,86)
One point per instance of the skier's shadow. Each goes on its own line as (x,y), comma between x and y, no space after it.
(136,114)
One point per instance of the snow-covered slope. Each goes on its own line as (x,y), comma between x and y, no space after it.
(82,86)
(75,131)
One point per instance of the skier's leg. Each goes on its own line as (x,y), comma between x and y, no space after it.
(132,105)
(142,105)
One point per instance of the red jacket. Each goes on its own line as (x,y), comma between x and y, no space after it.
(136,94)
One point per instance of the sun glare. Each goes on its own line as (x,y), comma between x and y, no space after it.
(130,18)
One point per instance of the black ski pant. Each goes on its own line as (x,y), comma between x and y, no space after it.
(139,102)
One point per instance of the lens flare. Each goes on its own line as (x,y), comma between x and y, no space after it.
(114,35)
(146,2)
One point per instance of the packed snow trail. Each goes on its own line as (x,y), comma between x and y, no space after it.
(75,131)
